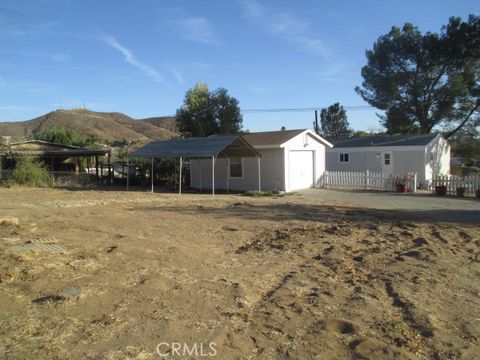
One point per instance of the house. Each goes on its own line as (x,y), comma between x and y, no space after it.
(56,157)
(427,155)
(289,160)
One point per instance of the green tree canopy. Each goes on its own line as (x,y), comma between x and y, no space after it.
(333,122)
(425,80)
(205,113)
(58,135)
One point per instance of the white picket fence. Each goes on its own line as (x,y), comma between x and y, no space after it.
(452,182)
(353,180)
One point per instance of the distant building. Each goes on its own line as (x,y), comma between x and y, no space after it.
(57,157)
(427,155)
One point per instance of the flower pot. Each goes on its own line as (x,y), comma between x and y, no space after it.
(461,191)
(402,188)
(441,190)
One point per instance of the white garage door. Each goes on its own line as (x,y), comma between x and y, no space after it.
(301,170)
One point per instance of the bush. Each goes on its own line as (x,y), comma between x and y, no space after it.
(30,172)
(257,193)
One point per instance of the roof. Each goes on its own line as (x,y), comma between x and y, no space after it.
(40,147)
(384,140)
(218,146)
(271,137)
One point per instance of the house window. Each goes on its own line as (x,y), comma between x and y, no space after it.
(236,167)
(344,158)
(387,159)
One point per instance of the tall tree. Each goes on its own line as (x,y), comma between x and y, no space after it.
(333,122)
(206,113)
(424,80)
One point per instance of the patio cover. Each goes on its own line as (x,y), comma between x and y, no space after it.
(224,146)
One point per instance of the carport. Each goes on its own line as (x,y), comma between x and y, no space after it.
(212,147)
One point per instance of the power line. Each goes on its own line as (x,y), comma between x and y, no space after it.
(350,108)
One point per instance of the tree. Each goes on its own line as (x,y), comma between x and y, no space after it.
(334,123)
(205,113)
(58,135)
(424,80)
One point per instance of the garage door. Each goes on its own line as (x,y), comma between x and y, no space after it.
(301,170)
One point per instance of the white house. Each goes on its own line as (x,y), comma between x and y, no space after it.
(290,160)
(427,155)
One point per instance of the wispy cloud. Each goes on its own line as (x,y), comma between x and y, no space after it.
(287,26)
(198,29)
(132,59)
(177,74)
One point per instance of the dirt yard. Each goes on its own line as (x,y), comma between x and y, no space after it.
(116,275)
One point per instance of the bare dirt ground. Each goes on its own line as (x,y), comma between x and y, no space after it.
(110,275)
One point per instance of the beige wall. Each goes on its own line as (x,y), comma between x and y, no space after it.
(272,170)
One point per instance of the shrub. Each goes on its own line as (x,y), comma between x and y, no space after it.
(30,172)
(257,193)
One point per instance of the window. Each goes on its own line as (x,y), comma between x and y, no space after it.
(236,167)
(344,158)
(387,159)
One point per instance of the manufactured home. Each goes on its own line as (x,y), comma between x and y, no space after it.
(427,155)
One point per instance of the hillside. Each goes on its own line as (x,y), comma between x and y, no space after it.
(108,126)
(165,122)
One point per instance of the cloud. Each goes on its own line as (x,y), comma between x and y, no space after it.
(287,26)
(132,59)
(177,74)
(198,29)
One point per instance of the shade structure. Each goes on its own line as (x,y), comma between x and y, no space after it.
(213,147)
(206,147)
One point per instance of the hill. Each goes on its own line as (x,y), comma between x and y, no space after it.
(165,122)
(108,126)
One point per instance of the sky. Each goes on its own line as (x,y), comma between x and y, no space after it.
(140,57)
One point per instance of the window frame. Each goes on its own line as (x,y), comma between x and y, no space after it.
(342,156)
(241,163)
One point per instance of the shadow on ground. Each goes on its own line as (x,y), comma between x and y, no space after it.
(308,212)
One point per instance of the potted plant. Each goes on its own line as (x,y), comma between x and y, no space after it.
(401,187)
(441,190)
(461,191)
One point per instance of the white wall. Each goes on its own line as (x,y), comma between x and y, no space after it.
(404,160)
(437,158)
(305,142)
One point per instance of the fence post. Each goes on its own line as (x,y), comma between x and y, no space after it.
(367,180)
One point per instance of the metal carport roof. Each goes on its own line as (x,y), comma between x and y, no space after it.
(223,146)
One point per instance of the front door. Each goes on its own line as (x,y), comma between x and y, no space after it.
(387,163)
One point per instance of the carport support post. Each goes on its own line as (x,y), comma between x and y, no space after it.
(259,175)
(180,178)
(213,175)
(151,174)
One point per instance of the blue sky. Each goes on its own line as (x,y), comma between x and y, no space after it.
(139,57)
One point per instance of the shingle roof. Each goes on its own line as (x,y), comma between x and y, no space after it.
(223,146)
(383,140)
(268,138)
